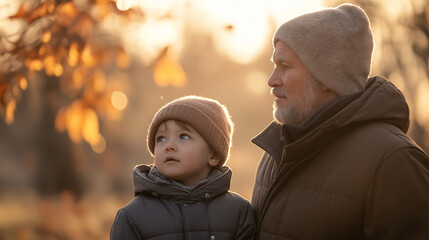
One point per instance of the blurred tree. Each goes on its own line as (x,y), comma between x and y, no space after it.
(61,46)
(65,42)
(401,30)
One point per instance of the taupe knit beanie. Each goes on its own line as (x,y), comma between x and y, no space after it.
(210,118)
(335,45)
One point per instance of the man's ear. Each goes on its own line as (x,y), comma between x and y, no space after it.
(328,92)
(214,159)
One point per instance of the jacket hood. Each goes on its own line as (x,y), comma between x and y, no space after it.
(381,101)
(147,179)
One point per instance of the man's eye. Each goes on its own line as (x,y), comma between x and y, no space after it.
(161,139)
(184,136)
(284,66)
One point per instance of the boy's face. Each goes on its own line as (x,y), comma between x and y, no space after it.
(182,154)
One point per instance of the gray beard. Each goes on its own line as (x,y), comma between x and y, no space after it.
(289,115)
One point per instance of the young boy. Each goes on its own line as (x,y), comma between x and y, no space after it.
(185,194)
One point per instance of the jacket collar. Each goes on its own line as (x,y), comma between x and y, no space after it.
(271,140)
(146,180)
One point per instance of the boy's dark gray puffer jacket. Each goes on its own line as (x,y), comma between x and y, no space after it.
(165,209)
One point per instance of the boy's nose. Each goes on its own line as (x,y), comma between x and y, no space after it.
(170,147)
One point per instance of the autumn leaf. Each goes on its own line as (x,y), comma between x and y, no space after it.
(78,78)
(49,65)
(74,121)
(73,56)
(66,12)
(22,81)
(46,37)
(90,126)
(87,57)
(99,81)
(169,72)
(34,64)
(10,110)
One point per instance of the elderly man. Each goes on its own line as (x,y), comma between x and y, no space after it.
(338,163)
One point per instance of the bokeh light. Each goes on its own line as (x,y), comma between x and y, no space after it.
(119,100)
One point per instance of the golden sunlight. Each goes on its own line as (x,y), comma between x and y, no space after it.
(124,5)
(240,30)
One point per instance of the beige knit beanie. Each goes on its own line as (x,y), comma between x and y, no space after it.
(210,118)
(335,45)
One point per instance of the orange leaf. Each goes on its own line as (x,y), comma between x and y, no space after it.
(90,126)
(34,64)
(58,70)
(74,121)
(73,56)
(169,72)
(99,81)
(78,76)
(87,57)
(10,110)
(22,81)
(66,13)
(46,37)
(49,64)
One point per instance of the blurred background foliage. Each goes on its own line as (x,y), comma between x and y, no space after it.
(81,80)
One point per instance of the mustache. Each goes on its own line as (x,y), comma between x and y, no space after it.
(277,91)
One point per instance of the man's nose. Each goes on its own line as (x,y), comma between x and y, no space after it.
(273,80)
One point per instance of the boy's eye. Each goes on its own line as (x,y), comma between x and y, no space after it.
(184,136)
(161,139)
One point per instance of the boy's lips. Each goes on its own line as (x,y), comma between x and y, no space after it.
(171,159)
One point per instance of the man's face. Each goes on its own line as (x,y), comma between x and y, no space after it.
(291,83)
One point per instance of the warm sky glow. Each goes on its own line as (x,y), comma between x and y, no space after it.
(240,29)
(256,82)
